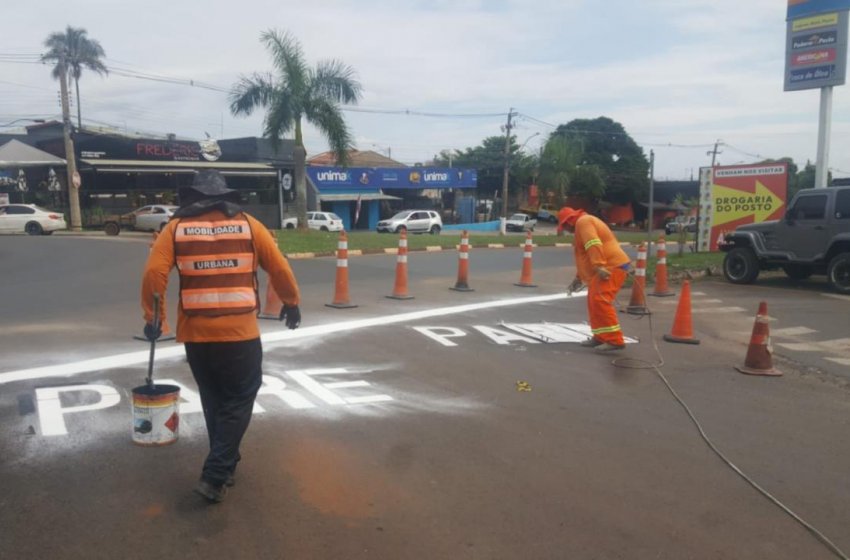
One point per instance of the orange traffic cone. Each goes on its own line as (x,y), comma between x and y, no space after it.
(661,287)
(759,360)
(525,275)
(637,303)
(341,299)
(682,328)
(462,284)
(273,305)
(400,288)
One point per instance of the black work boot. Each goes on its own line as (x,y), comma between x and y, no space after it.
(211,492)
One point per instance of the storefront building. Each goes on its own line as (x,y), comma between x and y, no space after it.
(380,192)
(120,173)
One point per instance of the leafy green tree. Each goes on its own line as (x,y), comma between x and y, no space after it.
(77,51)
(621,162)
(558,162)
(489,160)
(294,92)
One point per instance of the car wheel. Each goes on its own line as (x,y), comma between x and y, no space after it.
(400,229)
(111,228)
(838,273)
(323,228)
(162,226)
(740,266)
(797,271)
(290,226)
(435,230)
(33,228)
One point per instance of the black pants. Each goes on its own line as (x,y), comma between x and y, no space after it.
(228,374)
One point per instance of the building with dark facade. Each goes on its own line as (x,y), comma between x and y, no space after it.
(121,172)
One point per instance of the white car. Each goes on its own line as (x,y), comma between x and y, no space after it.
(31,219)
(324,221)
(520,222)
(413,221)
(152,217)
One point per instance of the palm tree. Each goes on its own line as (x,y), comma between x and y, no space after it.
(77,51)
(295,92)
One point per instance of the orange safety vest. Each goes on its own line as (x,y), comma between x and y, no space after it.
(217,266)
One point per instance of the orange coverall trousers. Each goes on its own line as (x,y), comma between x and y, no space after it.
(604,323)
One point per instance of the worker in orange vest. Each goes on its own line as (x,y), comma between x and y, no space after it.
(602,266)
(216,248)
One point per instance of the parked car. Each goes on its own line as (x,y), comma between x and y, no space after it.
(689,223)
(812,238)
(413,221)
(290,223)
(548,213)
(31,219)
(152,217)
(520,222)
(324,221)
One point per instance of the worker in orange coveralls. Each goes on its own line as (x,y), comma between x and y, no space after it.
(601,265)
(217,248)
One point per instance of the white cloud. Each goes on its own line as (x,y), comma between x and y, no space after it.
(672,72)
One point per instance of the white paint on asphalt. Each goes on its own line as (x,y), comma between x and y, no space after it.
(134,358)
(503,338)
(841,361)
(51,413)
(791,332)
(524,333)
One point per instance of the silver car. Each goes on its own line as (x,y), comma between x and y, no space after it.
(413,221)
(153,217)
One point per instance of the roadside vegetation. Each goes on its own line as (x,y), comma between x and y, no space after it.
(322,242)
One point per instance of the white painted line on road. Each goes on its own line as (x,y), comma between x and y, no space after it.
(835,346)
(791,332)
(134,358)
(800,346)
(837,296)
(842,361)
(719,310)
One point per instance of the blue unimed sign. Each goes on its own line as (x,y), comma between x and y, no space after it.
(803,8)
(393,178)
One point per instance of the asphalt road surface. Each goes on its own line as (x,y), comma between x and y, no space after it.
(404,429)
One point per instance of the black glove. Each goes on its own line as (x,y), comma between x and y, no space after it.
(152,332)
(291,315)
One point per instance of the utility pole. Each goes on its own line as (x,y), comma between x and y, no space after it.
(651,201)
(506,172)
(713,153)
(73,190)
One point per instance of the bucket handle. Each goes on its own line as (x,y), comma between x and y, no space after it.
(149,378)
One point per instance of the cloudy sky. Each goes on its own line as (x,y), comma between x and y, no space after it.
(678,74)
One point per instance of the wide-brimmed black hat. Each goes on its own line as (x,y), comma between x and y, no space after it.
(210,183)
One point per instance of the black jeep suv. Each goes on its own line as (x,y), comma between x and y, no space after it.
(812,238)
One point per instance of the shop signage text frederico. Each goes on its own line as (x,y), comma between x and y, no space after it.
(109,147)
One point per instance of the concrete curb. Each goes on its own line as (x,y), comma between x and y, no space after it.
(437,248)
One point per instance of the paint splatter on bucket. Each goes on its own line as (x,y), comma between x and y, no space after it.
(156,414)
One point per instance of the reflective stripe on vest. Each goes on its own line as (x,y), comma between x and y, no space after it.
(215,298)
(217,266)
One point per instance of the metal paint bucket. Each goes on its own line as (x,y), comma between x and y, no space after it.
(156,414)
